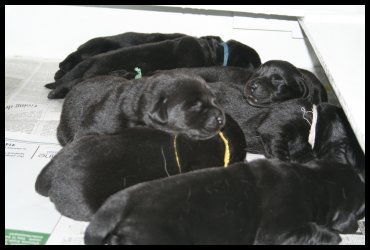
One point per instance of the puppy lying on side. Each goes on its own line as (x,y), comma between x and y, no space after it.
(90,169)
(260,202)
(100,45)
(276,81)
(180,52)
(107,105)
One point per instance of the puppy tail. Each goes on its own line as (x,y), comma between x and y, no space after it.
(101,229)
(43,181)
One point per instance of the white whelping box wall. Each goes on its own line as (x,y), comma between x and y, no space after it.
(273,31)
(55,31)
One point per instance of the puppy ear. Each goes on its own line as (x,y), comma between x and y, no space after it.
(303,86)
(159,111)
(316,90)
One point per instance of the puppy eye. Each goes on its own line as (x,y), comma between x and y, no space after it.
(196,105)
(277,80)
(214,101)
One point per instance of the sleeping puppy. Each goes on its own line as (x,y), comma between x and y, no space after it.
(107,105)
(100,45)
(90,169)
(276,81)
(285,133)
(260,202)
(227,84)
(180,52)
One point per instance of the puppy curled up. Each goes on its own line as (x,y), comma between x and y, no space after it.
(108,104)
(259,202)
(89,169)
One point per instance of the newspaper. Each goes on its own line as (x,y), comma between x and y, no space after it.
(31,120)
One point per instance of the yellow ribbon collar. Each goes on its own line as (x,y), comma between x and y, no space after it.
(226,151)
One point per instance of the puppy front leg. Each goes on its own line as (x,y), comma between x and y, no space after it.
(275,147)
(61,90)
(311,234)
(307,234)
(89,49)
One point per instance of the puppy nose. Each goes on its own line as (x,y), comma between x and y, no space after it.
(253,86)
(220,119)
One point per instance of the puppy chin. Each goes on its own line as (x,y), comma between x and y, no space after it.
(255,102)
(203,135)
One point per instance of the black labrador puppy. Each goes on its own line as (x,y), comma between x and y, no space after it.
(100,45)
(276,81)
(290,132)
(184,51)
(107,105)
(90,169)
(260,202)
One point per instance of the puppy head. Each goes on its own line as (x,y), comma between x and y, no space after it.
(274,82)
(185,105)
(241,55)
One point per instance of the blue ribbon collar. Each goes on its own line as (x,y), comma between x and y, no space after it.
(226,53)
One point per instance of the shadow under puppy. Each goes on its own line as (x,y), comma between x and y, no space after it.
(184,51)
(106,105)
(260,202)
(90,169)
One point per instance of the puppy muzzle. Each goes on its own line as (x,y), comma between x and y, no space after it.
(216,121)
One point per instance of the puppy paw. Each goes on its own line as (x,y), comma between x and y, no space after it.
(58,93)
(59,74)
(325,236)
(313,234)
(51,85)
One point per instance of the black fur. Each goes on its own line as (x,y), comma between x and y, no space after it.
(100,45)
(228,74)
(88,170)
(335,140)
(107,105)
(260,202)
(184,51)
(284,133)
(276,81)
